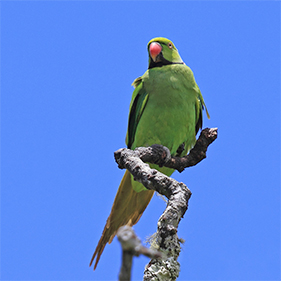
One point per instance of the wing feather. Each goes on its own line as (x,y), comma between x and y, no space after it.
(138,103)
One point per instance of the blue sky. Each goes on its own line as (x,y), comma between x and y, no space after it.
(66,74)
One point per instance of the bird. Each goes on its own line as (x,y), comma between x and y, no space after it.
(166,109)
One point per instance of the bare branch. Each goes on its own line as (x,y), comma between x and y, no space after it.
(160,155)
(131,246)
(166,239)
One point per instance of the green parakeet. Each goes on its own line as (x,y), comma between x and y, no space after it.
(166,109)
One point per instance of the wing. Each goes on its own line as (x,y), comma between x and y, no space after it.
(199,107)
(138,103)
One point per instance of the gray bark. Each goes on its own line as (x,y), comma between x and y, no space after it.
(165,240)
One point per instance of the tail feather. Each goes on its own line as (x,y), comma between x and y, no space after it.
(128,207)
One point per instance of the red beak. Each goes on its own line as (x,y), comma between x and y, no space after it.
(154,50)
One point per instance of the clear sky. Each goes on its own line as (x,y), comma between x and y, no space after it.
(66,74)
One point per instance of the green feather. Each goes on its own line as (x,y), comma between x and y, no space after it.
(166,106)
(136,111)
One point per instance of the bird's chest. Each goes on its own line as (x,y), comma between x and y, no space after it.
(162,82)
(169,90)
(169,114)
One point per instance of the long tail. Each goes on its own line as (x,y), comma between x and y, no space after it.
(127,209)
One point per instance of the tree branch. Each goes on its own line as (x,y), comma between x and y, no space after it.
(131,246)
(166,239)
(160,155)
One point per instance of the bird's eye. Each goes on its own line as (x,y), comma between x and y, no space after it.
(170,45)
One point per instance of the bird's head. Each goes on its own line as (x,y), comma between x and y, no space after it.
(161,52)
